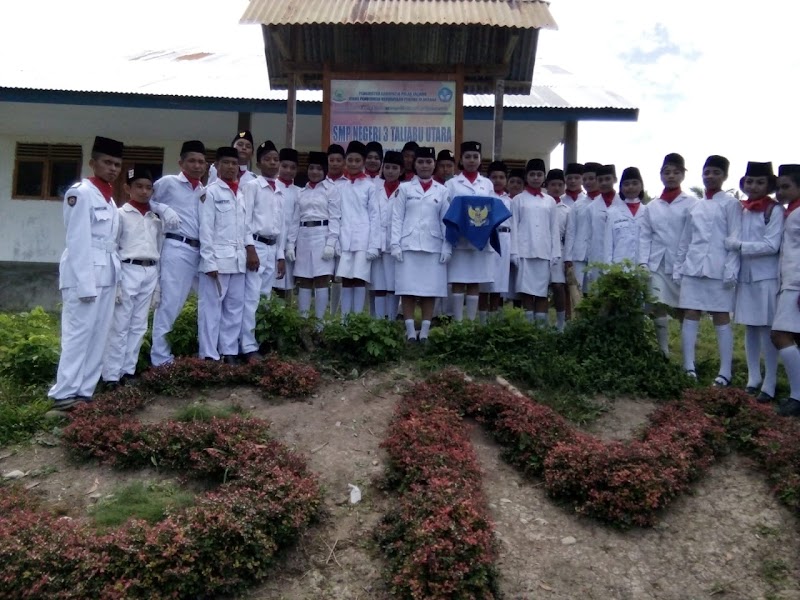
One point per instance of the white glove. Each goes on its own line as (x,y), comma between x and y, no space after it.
(290,256)
(515,260)
(372,254)
(729,282)
(733,244)
(327,253)
(88,299)
(155,301)
(397,253)
(171,218)
(676,276)
(644,266)
(118,295)
(445,256)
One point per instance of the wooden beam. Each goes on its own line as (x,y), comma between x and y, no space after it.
(244,121)
(291,111)
(497,146)
(570,142)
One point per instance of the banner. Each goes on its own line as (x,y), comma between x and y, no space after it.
(393,112)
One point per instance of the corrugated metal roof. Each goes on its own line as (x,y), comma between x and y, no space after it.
(524,14)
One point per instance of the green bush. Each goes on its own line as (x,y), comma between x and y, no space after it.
(281,329)
(22,410)
(183,337)
(29,347)
(362,340)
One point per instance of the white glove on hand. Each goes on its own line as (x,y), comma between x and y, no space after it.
(327,253)
(290,256)
(171,218)
(515,260)
(118,295)
(729,282)
(644,266)
(445,256)
(372,254)
(676,276)
(733,244)
(155,301)
(397,253)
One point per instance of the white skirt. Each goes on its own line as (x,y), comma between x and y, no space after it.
(533,276)
(756,302)
(557,273)
(664,289)
(704,293)
(354,265)
(787,313)
(420,274)
(310,245)
(502,268)
(471,266)
(382,273)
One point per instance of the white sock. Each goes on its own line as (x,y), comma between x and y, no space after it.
(529,316)
(472,307)
(424,330)
(725,346)
(391,305)
(483,316)
(688,342)
(540,318)
(359,299)
(410,331)
(662,333)
(380,307)
(458,307)
(346,300)
(770,362)
(791,362)
(752,351)
(320,301)
(561,320)
(304,301)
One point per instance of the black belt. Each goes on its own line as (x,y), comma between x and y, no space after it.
(313,223)
(504,229)
(185,240)
(263,240)
(141,262)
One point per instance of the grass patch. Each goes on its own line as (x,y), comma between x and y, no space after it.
(198,411)
(148,501)
(22,410)
(774,570)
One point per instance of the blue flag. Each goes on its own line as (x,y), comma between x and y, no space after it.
(475,218)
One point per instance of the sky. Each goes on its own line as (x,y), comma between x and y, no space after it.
(709,76)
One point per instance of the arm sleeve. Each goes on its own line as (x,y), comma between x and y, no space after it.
(334,217)
(771,242)
(733,214)
(373,211)
(514,227)
(78,225)
(207,217)
(645,238)
(287,213)
(249,199)
(398,216)
(294,224)
(555,234)
(683,245)
(447,247)
(608,240)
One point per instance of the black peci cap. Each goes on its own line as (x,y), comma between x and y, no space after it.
(606,170)
(289,154)
(138,173)
(535,164)
(445,155)
(719,162)
(425,152)
(518,173)
(318,158)
(410,147)
(674,159)
(787,170)
(630,173)
(104,145)
(264,147)
(554,175)
(243,135)
(227,152)
(375,147)
(193,146)
(335,149)
(497,165)
(392,157)
(759,169)
(591,167)
(574,169)
(470,147)
(356,147)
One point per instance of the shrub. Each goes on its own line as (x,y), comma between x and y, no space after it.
(22,410)
(281,329)
(183,337)
(29,347)
(363,340)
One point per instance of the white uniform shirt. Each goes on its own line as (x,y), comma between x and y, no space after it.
(790,252)
(385,204)
(576,243)
(761,245)
(701,252)
(321,202)
(535,230)
(661,231)
(222,230)
(563,211)
(623,229)
(567,200)
(418,217)
(245,176)
(139,235)
(176,192)
(90,258)
(461,186)
(265,214)
(598,216)
(289,194)
(360,224)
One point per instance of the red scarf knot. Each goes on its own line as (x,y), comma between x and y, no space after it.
(758,205)
(234,185)
(439,180)
(271,183)
(534,191)
(573,195)
(634,207)
(608,197)
(142,208)
(594,194)
(192,180)
(356,177)
(471,177)
(104,187)
(312,185)
(408,175)
(710,194)
(668,195)
(793,206)
(426,185)
(391,187)
(286,182)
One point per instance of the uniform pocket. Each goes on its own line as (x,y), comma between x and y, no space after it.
(221,251)
(223,206)
(101,213)
(99,257)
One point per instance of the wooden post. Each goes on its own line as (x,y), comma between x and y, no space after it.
(499,91)
(244,121)
(570,142)
(291,111)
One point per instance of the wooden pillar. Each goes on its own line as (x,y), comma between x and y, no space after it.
(570,142)
(244,121)
(291,111)
(497,145)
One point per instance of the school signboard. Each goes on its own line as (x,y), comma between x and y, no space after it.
(394,111)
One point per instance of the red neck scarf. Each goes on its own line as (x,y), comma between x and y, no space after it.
(534,191)
(195,182)
(634,207)
(668,195)
(573,195)
(391,187)
(271,183)
(793,206)
(286,182)
(142,208)
(373,174)
(608,197)
(471,177)
(557,199)
(758,205)
(408,175)
(312,185)
(426,185)
(439,180)
(594,194)
(356,177)
(500,191)
(105,188)
(710,194)
(234,185)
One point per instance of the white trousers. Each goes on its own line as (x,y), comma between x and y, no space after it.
(219,314)
(256,284)
(84,330)
(179,264)
(129,323)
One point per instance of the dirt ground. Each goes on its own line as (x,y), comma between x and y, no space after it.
(729,538)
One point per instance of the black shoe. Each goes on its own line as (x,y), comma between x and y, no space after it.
(230,359)
(67,404)
(110,386)
(251,357)
(423,341)
(753,391)
(764,398)
(789,407)
(412,341)
(721,381)
(127,379)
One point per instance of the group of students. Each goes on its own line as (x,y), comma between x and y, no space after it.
(414,228)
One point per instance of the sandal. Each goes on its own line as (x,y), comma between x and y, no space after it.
(721,381)
(691,374)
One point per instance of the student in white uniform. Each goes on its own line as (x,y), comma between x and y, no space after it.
(265,221)
(786,324)
(314,235)
(573,181)
(419,245)
(469,267)
(661,230)
(624,224)
(598,216)
(516,184)
(382,274)
(757,285)
(180,253)
(555,184)
(139,245)
(535,241)
(409,153)
(243,142)
(335,174)
(88,275)
(707,271)
(445,166)
(359,237)
(373,161)
(288,159)
(491,297)
(223,236)
(579,227)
